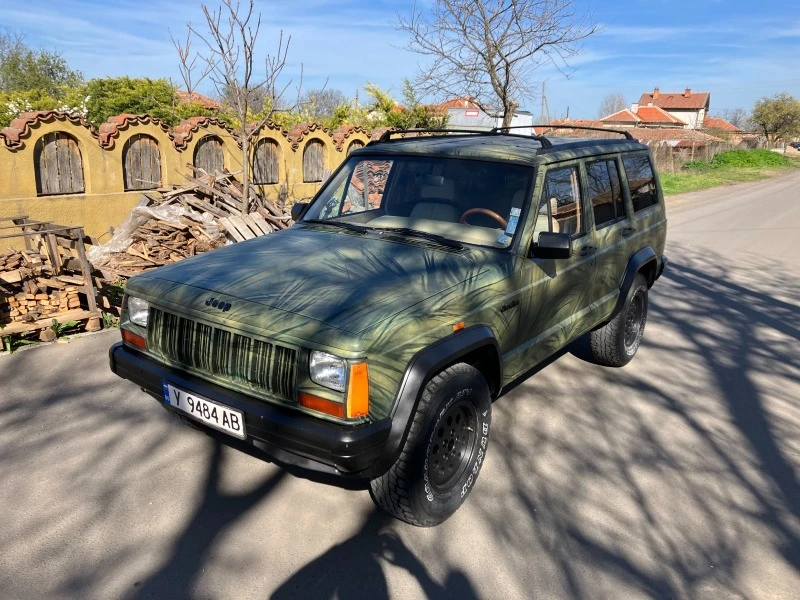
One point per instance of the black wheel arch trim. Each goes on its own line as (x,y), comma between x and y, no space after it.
(422,367)
(637,262)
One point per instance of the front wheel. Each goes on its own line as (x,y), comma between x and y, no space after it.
(444,451)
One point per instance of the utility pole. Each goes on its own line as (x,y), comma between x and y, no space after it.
(544,114)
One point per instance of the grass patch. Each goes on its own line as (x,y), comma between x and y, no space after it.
(735,166)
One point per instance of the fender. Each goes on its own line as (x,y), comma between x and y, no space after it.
(421,368)
(639,259)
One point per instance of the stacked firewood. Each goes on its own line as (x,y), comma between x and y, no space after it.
(205,200)
(31,290)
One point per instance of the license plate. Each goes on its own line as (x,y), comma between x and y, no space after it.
(218,416)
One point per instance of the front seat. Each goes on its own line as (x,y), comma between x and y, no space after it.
(429,208)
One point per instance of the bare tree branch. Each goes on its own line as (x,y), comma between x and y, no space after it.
(489,50)
(229,61)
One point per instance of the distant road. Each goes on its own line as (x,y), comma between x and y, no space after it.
(677,476)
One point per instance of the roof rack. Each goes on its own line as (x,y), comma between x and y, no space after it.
(386,135)
(627,134)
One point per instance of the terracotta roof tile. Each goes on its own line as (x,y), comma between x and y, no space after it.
(463,102)
(184,131)
(717,123)
(296,135)
(20,128)
(109,130)
(654,114)
(184,98)
(675,100)
(625,115)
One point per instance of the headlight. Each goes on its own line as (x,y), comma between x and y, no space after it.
(328,370)
(137,310)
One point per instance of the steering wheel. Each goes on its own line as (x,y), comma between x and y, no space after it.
(483,211)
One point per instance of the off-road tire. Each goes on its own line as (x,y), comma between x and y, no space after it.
(616,343)
(443,453)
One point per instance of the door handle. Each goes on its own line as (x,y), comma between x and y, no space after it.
(628,231)
(587,250)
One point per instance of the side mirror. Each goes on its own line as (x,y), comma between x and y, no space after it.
(552,245)
(297,209)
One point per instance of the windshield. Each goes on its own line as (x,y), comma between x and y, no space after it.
(467,201)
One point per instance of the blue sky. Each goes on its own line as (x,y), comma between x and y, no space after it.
(738,50)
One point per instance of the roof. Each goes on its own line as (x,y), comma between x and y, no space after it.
(185,98)
(686,100)
(624,115)
(644,115)
(654,114)
(456,103)
(490,146)
(718,123)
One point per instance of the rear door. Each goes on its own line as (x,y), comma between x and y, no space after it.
(613,229)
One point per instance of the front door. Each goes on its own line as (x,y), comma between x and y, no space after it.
(556,303)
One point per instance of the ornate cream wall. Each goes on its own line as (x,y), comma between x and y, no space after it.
(104,203)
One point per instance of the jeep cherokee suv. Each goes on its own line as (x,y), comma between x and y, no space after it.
(369,340)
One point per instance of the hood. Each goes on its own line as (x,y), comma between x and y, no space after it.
(345,280)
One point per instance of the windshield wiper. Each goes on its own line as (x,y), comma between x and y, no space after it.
(342,224)
(423,234)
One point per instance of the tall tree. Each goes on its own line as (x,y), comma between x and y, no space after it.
(777,117)
(23,69)
(611,104)
(489,50)
(322,103)
(229,57)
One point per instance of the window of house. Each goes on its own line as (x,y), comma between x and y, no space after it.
(640,181)
(141,163)
(562,200)
(57,165)
(605,192)
(265,162)
(313,162)
(208,155)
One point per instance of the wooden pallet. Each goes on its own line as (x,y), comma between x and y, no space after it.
(246,227)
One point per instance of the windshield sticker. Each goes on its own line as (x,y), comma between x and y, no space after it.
(513,221)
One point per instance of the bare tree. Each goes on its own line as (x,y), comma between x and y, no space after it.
(230,58)
(188,63)
(611,104)
(738,117)
(489,49)
(324,102)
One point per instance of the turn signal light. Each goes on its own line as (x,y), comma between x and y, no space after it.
(459,326)
(322,405)
(358,391)
(134,340)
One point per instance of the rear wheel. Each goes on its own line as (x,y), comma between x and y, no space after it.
(616,343)
(443,453)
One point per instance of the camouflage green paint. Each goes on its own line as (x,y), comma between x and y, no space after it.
(384,298)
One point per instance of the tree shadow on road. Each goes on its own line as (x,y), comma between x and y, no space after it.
(217,511)
(353,569)
(640,480)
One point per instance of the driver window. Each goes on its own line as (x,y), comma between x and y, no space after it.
(561,202)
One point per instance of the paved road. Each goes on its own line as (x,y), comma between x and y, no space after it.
(677,476)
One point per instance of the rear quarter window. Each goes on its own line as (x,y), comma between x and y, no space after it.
(641,183)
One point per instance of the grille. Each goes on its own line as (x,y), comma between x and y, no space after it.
(243,360)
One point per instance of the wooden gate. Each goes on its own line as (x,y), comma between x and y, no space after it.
(265,162)
(313,161)
(141,163)
(208,155)
(58,165)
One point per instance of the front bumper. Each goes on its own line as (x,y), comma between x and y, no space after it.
(287,436)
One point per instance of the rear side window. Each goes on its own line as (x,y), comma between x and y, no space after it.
(604,191)
(640,181)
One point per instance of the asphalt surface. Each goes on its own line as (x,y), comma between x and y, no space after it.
(677,476)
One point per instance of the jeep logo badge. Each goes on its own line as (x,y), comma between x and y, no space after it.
(223,306)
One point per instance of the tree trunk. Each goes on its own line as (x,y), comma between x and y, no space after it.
(508,115)
(245,174)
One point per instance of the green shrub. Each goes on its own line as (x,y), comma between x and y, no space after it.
(749,158)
